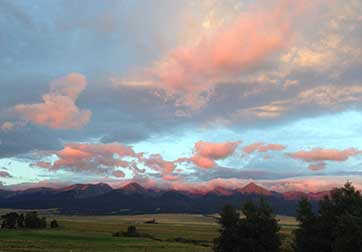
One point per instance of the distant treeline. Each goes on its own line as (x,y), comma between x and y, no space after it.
(335,227)
(29,220)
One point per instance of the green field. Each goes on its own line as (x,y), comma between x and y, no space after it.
(94,234)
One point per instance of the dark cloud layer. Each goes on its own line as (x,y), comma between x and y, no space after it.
(25,139)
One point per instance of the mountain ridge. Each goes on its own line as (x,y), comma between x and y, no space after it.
(133,198)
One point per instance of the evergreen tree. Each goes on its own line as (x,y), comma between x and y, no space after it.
(336,228)
(20,221)
(257,232)
(305,236)
(229,221)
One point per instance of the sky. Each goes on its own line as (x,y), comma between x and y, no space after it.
(185,95)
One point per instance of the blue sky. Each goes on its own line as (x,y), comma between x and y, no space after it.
(181,94)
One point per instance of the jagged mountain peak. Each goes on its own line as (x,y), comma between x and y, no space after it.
(253,188)
(133,187)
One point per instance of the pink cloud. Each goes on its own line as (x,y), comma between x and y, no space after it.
(157,163)
(215,150)
(203,162)
(5,174)
(98,158)
(261,147)
(223,55)
(118,174)
(319,154)
(206,153)
(7,126)
(58,109)
(317,166)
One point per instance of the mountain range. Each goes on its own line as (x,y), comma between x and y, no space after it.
(135,199)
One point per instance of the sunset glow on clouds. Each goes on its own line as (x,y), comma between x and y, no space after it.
(58,109)
(181,94)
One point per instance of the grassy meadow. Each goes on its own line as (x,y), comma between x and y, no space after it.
(94,233)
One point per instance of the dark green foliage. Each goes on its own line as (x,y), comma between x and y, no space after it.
(20,221)
(306,235)
(9,220)
(54,224)
(229,221)
(336,228)
(131,232)
(33,221)
(257,232)
(153,221)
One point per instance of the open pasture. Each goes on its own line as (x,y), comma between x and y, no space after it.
(94,234)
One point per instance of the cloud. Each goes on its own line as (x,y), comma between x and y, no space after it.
(317,166)
(157,163)
(327,96)
(5,174)
(262,147)
(26,138)
(127,135)
(6,126)
(58,109)
(320,98)
(118,174)
(221,56)
(206,153)
(87,157)
(203,162)
(312,184)
(319,154)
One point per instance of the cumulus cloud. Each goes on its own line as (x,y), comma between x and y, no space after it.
(237,46)
(206,153)
(262,147)
(86,157)
(105,159)
(157,163)
(58,109)
(318,156)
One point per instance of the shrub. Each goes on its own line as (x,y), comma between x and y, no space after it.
(33,221)
(54,224)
